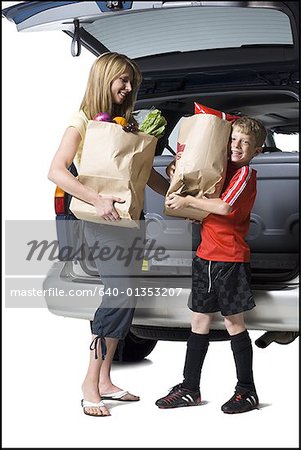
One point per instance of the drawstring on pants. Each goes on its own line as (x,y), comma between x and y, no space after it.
(94,345)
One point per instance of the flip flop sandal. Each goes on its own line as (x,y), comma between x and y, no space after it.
(86,404)
(118,396)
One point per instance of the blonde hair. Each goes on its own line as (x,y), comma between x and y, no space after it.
(253,127)
(98,98)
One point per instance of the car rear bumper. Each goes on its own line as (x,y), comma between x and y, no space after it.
(162,302)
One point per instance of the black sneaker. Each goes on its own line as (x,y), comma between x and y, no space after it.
(241,402)
(178,397)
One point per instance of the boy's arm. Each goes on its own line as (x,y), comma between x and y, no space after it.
(211,205)
(221,206)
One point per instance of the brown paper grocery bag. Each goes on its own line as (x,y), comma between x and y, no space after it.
(203,141)
(115,163)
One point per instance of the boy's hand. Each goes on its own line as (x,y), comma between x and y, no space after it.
(175,201)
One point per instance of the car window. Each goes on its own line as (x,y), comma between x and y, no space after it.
(287,142)
(185,29)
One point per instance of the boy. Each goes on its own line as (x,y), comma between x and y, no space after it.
(221,273)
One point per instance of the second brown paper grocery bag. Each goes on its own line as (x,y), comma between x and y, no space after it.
(203,142)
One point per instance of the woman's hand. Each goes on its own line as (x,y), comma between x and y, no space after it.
(170,169)
(175,201)
(105,207)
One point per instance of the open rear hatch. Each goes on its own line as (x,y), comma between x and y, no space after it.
(174,36)
(190,51)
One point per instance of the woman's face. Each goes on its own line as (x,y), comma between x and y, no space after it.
(122,86)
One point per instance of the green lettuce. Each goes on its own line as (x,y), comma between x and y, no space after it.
(154,123)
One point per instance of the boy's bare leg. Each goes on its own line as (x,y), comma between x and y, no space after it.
(235,324)
(200,322)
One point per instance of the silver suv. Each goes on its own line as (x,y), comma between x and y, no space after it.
(250,67)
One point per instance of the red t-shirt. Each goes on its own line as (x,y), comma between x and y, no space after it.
(223,237)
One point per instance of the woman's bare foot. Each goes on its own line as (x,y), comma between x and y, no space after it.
(91,394)
(112,389)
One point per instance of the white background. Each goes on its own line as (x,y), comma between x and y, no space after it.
(45,356)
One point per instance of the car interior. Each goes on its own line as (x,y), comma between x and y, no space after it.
(277,109)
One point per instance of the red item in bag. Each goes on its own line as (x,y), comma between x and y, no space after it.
(201,109)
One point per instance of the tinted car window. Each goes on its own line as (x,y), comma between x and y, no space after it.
(186,29)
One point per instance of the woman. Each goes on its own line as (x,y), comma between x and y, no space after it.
(112,87)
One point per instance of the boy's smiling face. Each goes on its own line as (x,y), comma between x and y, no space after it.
(243,147)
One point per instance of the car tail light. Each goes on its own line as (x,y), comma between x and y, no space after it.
(59,201)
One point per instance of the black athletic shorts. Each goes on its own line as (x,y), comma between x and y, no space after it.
(220,286)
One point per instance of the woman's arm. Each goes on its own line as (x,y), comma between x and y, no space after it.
(157,182)
(211,205)
(60,175)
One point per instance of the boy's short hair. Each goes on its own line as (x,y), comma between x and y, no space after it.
(252,126)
